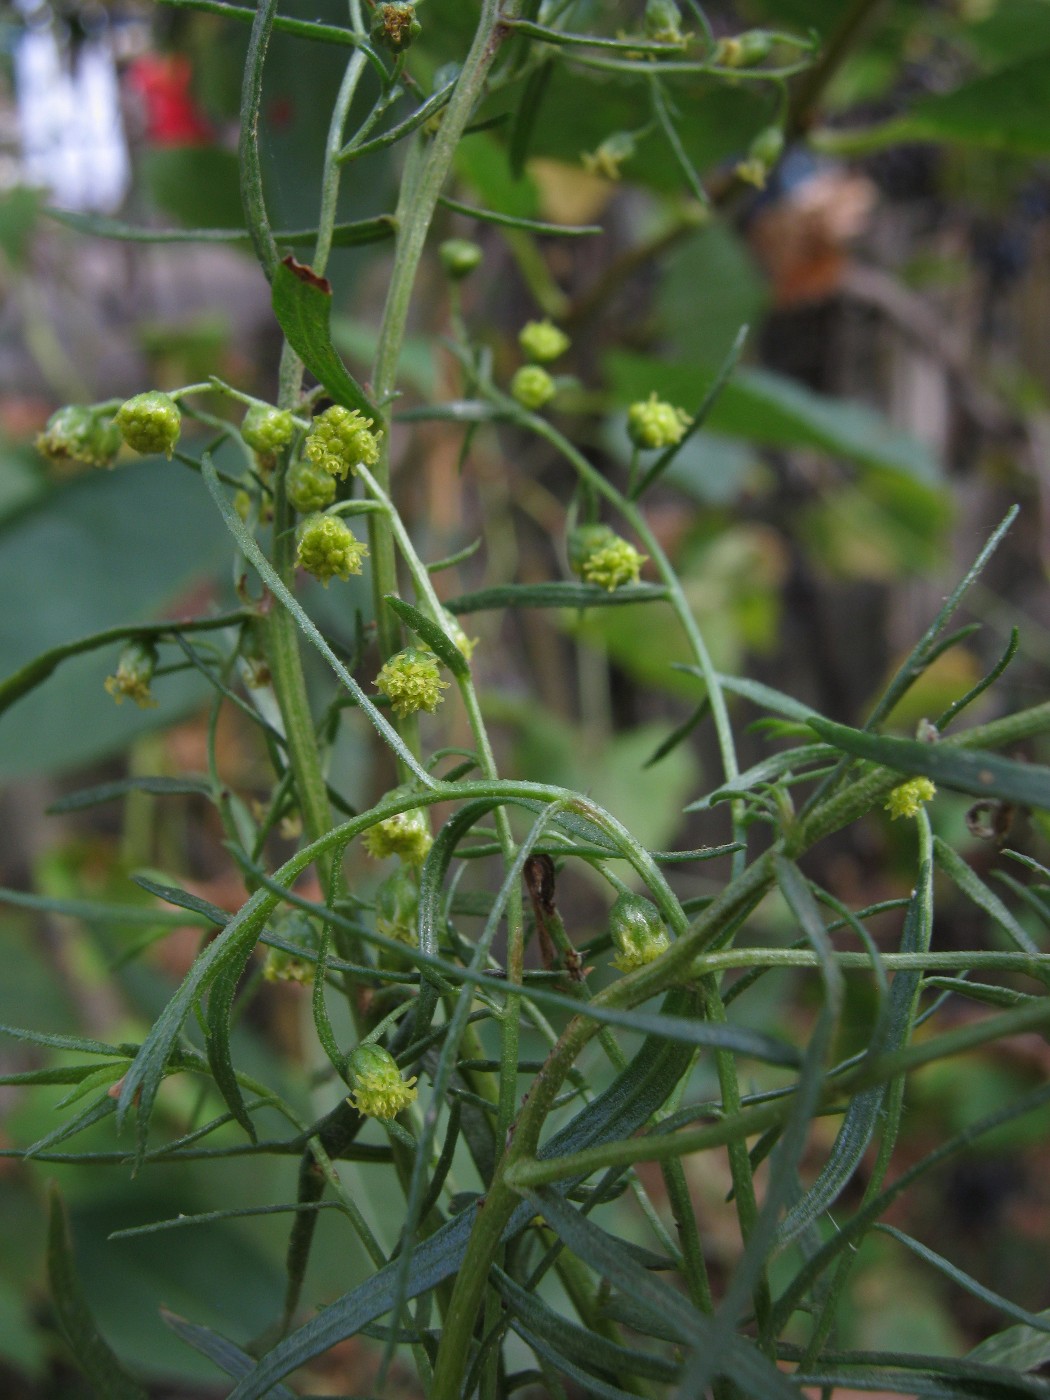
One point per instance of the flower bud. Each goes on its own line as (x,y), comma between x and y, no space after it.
(532,387)
(599,555)
(763,153)
(610,155)
(150,422)
(328,548)
(638,932)
(309,487)
(135,667)
(379,1089)
(406,835)
(543,341)
(744,50)
(654,423)
(459,257)
(266,429)
(411,681)
(80,433)
(663,22)
(339,438)
(397,906)
(394,25)
(908,799)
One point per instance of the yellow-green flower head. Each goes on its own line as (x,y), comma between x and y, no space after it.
(638,932)
(908,799)
(150,422)
(406,835)
(397,906)
(282,966)
(267,429)
(328,548)
(763,153)
(131,681)
(598,555)
(743,50)
(653,423)
(610,155)
(411,681)
(459,257)
(394,25)
(309,487)
(663,22)
(339,438)
(532,386)
(542,341)
(380,1090)
(80,433)
(464,644)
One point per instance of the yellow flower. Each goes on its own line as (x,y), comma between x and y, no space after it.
(379,1089)
(908,798)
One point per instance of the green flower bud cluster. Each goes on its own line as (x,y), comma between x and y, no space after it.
(380,1090)
(654,423)
(80,433)
(532,387)
(610,155)
(266,429)
(406,835)
(459,257)
(131,681)
(663,22)
(542,341)
(763,153)
(744,50)
(908,799)
(411,681)
(150,422)
(598,555)
(394,26)
(638,932)
(309,487)
(328,548)
(339,438)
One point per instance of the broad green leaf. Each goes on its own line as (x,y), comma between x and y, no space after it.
(302,303)
(966,770)
(92,1354)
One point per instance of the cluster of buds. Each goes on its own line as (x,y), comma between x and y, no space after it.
(379,1088)
(744,50)
(653,423)
(598,555)
(80,433)
(266,429)
(762,154)
(406,835)
(459,257)
(637,931)
(532,387)
(908,799)
(309,487)
(339,438)
(411,681)
(610,155)
(328,548)
(543,341)
(150,422)
(131,680)
(663,22)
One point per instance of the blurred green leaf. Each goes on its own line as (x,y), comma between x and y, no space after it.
(197,185)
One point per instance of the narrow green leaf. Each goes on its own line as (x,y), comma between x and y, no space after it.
(91,1353)
(764,696)
(225,1354)
(525,115)
(679,735)
(556,595)
(182,899)
(461,555)
(63,1042)
(351,235)
(974,888)
(986,992)
(431,634)
(590,1384)
(92,913)
(966,770)
(1022,1348)
(110,792)
(768,770)
(208,1217)
(218,1024)
(490,216)
(302,303)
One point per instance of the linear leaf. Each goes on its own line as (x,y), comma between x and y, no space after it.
(556,595)
(302,303)
(967,770)
(92,913)
(974,888)
(1023,1348)
(63,1042)
(346,235)
(217,1039)
(768,770)
(226,1354)
(431,634)
(91,1352)
(109,792)
(490,216)
(182,899)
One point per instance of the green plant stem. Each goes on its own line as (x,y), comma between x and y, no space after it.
(333,145)
(252,196)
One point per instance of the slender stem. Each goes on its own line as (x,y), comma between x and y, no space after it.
(252,196)
(332,168)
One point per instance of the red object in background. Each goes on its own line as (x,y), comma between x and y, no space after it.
(161,82)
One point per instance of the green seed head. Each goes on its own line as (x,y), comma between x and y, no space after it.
(543,341)
(328,548)
(459,257)
(379,1089)
(532,386)
(598,555)
(131,680)
(150,422)
(406,835)
(309,487)
(653,423)
(266,429)
(394,26)
(638,932)
(412,682)
(80,433)
(339,438)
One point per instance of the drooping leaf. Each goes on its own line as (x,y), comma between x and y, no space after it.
(302,303)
